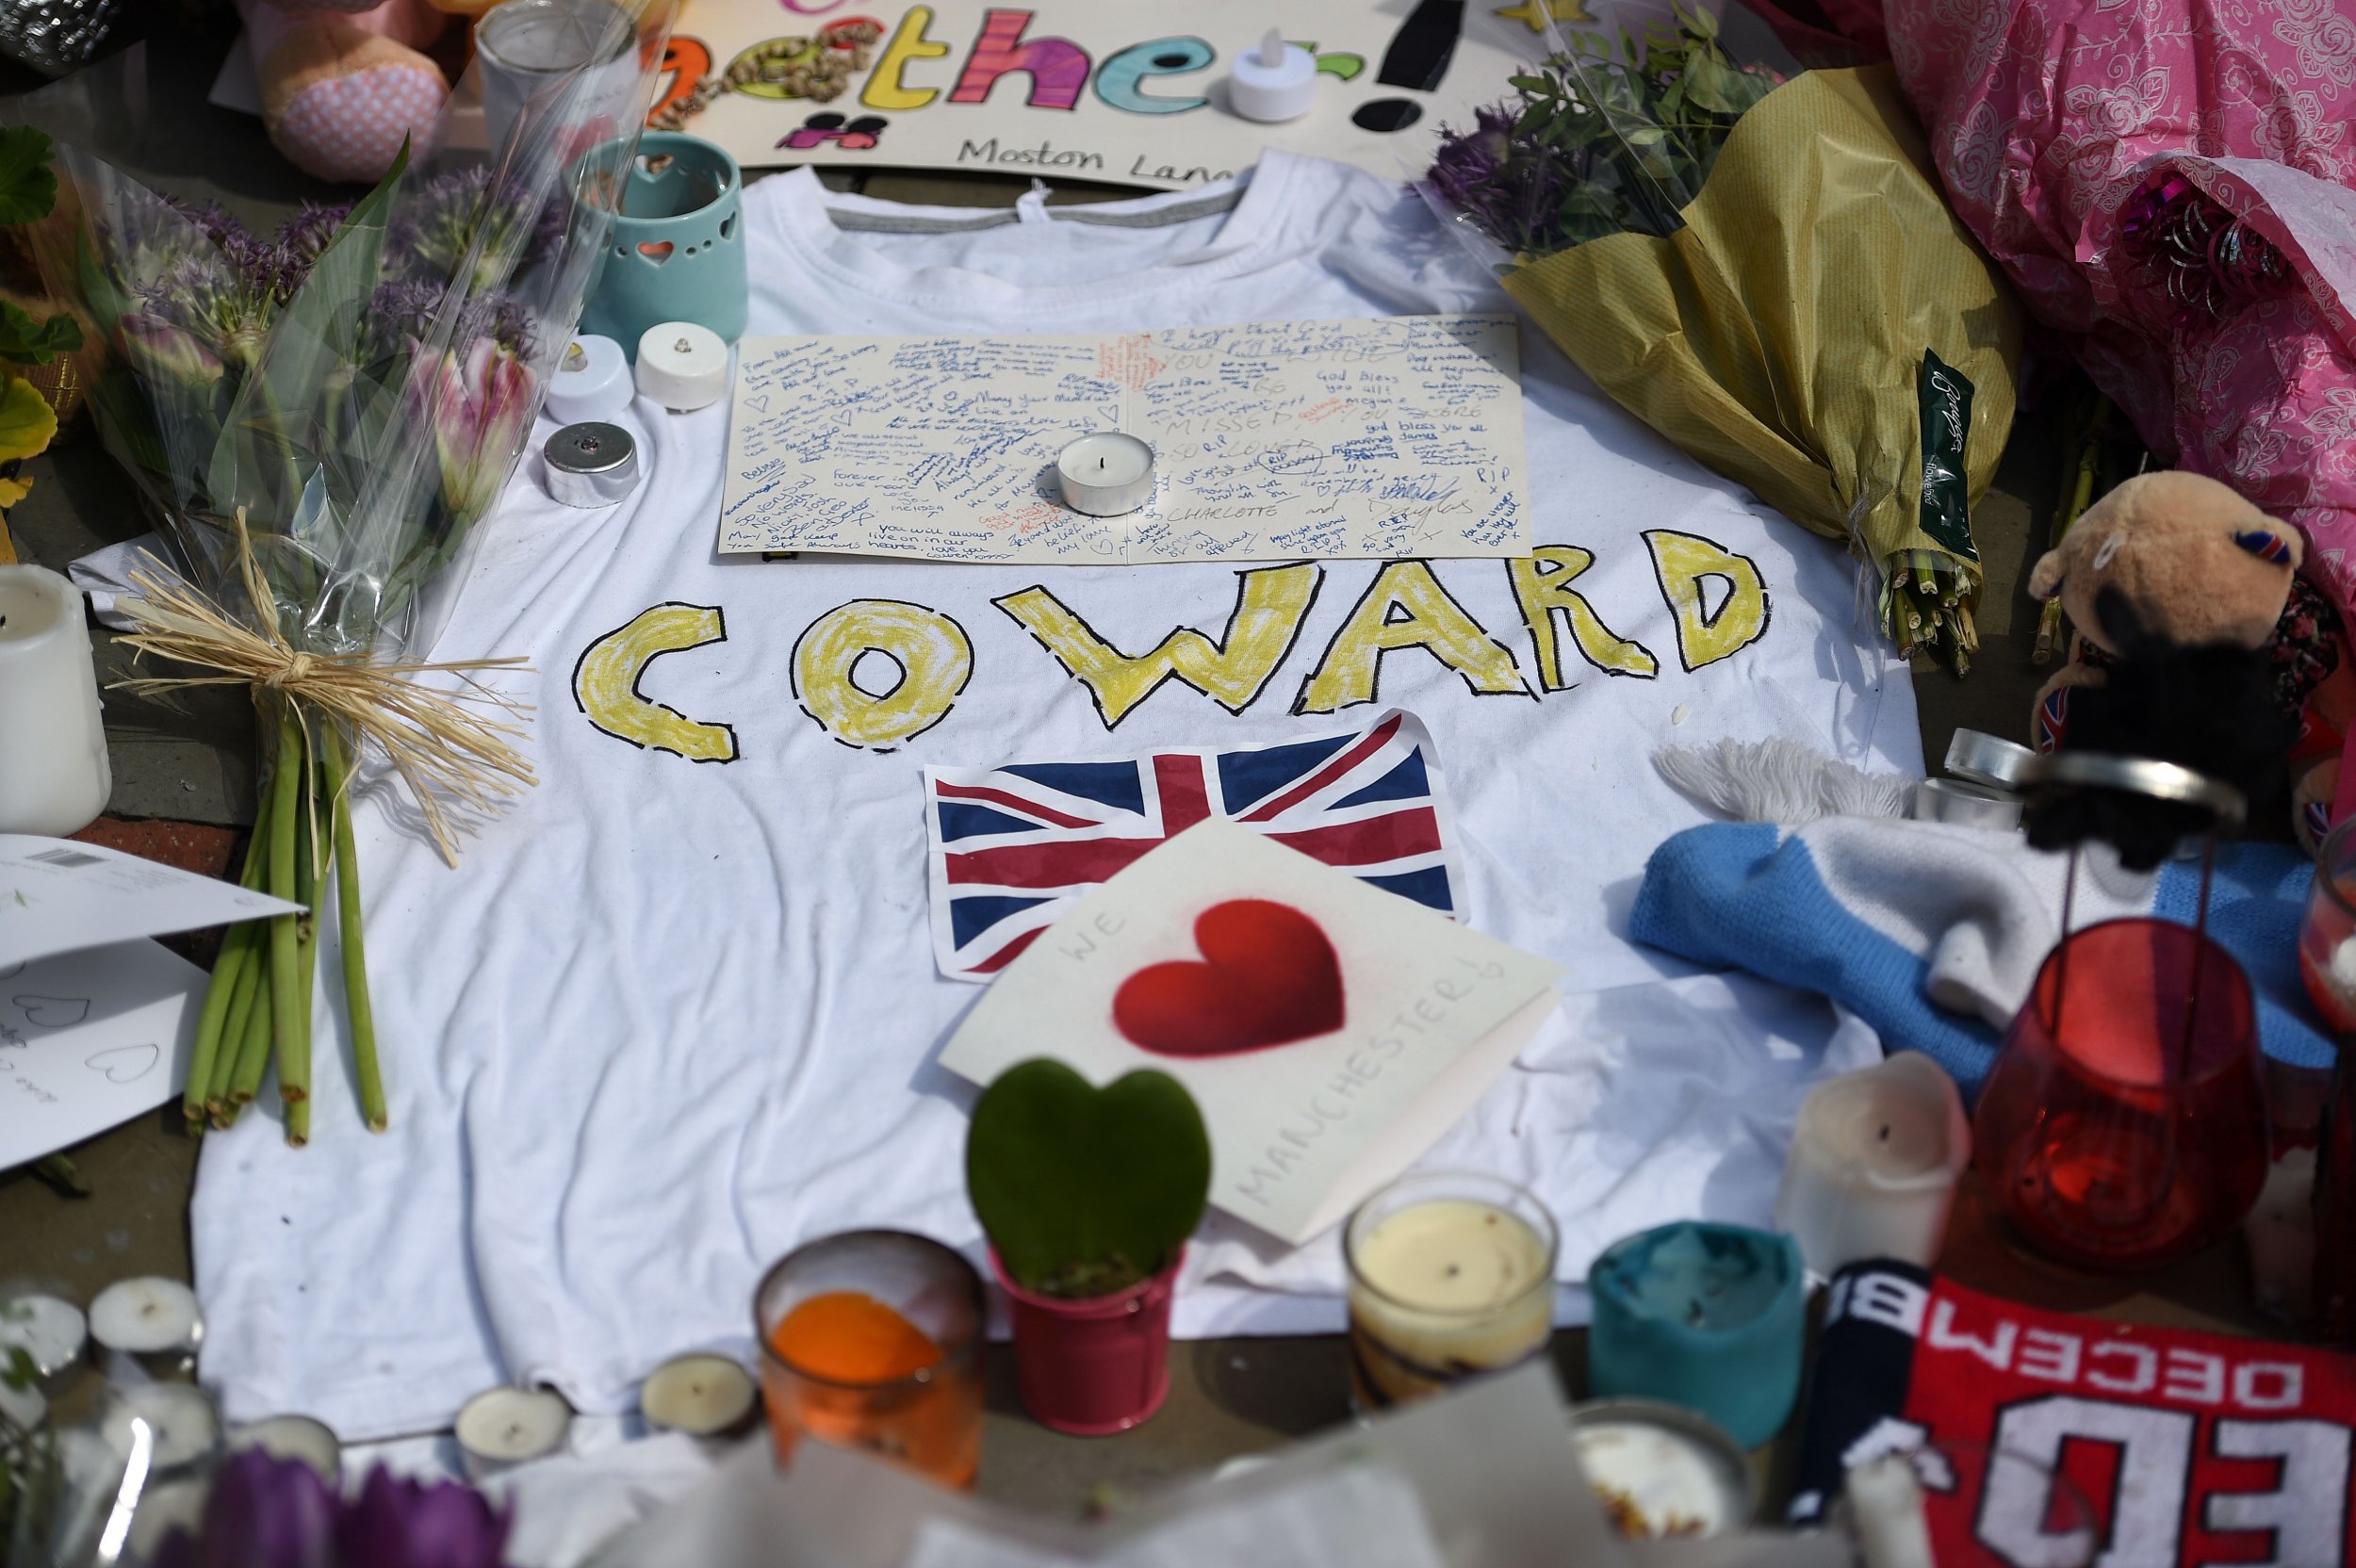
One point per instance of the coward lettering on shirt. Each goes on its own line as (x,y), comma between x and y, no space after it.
(875,674)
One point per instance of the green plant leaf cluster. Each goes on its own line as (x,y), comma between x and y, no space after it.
(1086,1191)
(28,190)
(1633,130)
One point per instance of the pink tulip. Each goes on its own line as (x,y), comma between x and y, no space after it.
(166,356)
(481,412)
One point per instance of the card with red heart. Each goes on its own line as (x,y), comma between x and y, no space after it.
(1330,1031)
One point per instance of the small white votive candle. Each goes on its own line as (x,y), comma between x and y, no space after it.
(48,1329)
(1886,1511)
(1451,1275)
(702,1396)
(54,772)
(295,1437)
(1662,1472)
(182,1420)
(1873,1165)
(501,1428)
(1106,474)
(147,1316)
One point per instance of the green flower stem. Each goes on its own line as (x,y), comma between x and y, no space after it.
(356,1000)
(294,1049)
(242,1005)
(230,973)
(285,992)
(252,1051)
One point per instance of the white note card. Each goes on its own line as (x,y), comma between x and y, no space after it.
(57,894)
(1272,441)
(88,1039)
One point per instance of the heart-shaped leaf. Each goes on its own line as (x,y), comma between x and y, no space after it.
(26,422)
(1086,1191)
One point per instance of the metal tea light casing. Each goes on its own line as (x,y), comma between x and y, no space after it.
(677,250)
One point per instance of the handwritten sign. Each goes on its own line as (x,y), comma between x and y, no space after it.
(1301,1129)
(1274,441)
(88,1039)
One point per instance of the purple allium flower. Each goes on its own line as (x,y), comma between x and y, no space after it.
(405,1523)
(307,233)
(264,1512)
(403,313)
(442,220)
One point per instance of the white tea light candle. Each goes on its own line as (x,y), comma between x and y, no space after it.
(1662,1472)
(185,1426)
(54,776)
(702,1396)
(295,1437)
(591,381)
(1873,1165)
(1450,1275)
(682,366)
(48,1329)
(147,1316)
(501,1428)
(1277,81)
(1106,475)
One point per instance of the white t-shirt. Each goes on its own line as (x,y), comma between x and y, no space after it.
(670,1017)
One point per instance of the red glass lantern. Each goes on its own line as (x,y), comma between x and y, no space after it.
(2124,1125)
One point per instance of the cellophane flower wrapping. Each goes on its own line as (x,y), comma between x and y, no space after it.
(361,383)
(1769,277)
(318,418)
(2173,184)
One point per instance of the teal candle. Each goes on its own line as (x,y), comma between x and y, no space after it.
(1706,1316)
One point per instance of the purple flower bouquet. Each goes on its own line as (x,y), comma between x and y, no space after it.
(318,418)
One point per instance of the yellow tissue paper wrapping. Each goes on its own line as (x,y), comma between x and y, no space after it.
(1779,335)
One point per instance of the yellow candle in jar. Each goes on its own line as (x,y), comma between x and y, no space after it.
(1445,1288)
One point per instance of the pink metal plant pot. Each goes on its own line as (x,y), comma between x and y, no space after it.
(1093,1365)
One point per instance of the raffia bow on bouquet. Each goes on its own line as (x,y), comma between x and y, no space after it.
(318,418)
(1766,273)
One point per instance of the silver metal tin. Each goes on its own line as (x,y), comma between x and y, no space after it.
(591,463)
(1968,805)
(1728,1465)
(1984,759)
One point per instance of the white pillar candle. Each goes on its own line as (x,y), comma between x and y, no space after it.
(1886,1510)
(1441,1289)
(1106,474)
(701,1395)
(295,1437)
(49,1330)
(1873,1165)
(147,1316)
(54,772)
(502,1427)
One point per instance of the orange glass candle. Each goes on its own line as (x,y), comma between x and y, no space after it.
(871,1339)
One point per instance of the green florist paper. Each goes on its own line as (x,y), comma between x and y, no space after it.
(1779,337)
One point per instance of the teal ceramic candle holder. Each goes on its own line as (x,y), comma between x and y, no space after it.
(1711,1318)
(677,252)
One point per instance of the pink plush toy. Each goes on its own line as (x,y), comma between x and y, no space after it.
(343,81)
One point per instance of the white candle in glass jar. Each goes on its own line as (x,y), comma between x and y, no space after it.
(54,774)
(1873,1165)
(1444,1286)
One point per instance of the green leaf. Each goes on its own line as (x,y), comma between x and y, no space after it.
(26,422)
(25,341)
(1086,1191)
(28,187)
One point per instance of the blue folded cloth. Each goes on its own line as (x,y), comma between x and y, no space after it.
(1933,934)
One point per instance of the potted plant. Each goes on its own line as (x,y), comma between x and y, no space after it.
(1087,1196)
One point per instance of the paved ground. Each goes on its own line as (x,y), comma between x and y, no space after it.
(190,763)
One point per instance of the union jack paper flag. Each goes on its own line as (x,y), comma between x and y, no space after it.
(1014,846)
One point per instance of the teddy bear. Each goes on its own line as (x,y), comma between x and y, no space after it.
(344,82)
(2178,560)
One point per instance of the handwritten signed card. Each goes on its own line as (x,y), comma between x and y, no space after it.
(1330,1031)
(88,1039)
(1273,442)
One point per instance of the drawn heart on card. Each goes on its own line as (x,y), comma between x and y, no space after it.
(54,1012)
(758,405)
(1267,976)
(124,1063)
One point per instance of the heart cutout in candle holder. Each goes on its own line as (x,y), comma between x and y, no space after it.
(1267,976)
(125,1064)
(54,1012)
(656,251)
